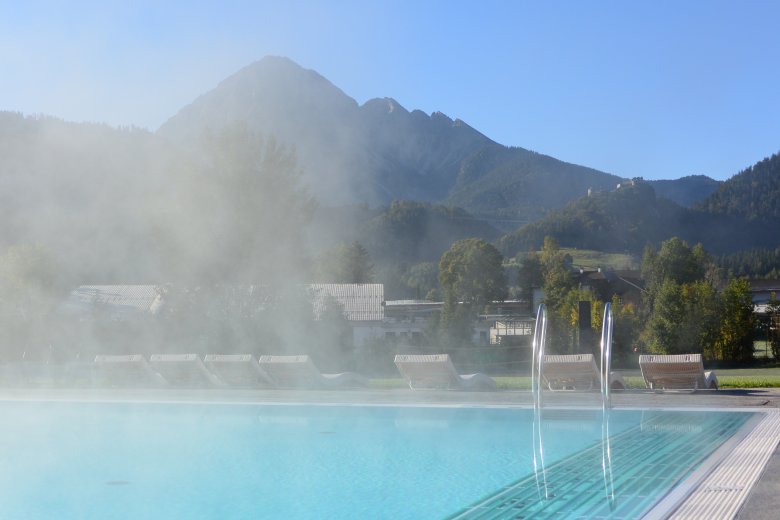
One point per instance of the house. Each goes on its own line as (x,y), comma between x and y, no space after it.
(761,292)
(118,302)
(513,331)
(626,284)
(406,320)
(363,306)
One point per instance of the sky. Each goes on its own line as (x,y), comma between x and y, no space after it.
(656,89)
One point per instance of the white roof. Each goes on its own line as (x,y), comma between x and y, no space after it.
(361,301)
(119,298)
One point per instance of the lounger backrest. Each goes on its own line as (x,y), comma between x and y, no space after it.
(237,369)
(427,370)
(291,371)
(672,371)
(127,369)
(183,370)
(570,370)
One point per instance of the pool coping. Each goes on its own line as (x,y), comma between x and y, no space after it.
(724,490)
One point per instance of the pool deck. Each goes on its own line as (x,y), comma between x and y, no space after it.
(763,502)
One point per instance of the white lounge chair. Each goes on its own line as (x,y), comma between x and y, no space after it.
(241,370)
(437,371)
(680,371)
(576,372)
(126,370)
(183,370)
(300,372)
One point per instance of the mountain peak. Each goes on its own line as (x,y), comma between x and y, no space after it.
(384,106)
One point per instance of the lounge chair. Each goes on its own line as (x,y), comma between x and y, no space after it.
(576,372)
(300,372)
(126,370)
(241,370)
(437,371)
(183,370)
(681,371)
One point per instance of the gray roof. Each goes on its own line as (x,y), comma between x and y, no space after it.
(117,298)
(361,301)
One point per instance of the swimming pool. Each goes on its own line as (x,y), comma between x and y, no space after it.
(158,460)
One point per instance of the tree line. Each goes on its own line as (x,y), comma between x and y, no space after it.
(686,306)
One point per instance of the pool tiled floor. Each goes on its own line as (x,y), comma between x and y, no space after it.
(586,486)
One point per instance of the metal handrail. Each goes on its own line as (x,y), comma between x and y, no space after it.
(537,355)
(606,459)
(606,356)
(540,472)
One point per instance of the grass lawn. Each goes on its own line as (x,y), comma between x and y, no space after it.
(593,259)
(590,258)
(728,378)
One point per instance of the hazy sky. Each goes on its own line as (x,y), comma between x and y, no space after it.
(659,89)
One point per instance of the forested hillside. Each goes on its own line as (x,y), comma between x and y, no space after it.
(753,193)
(632,217)
(685,191)
(755,263)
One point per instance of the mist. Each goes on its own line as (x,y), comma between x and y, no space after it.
(219,233)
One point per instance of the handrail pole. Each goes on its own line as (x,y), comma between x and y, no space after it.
(537,355)
(606,355)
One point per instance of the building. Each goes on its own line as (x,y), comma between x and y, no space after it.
(626,284)
(117,302)
(761,292)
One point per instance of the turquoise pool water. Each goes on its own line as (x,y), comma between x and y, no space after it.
(104,461)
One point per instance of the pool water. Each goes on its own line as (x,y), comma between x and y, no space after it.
(156,460)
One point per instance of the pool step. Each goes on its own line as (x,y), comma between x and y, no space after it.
(647,461)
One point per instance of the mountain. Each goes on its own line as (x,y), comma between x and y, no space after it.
(373,153)
(631,217)
(380,152)
(686,191)
(126,205)
(405,232)
(754,193)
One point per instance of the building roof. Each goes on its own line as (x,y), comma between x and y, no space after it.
(118,298)
(765,285)
(361,302)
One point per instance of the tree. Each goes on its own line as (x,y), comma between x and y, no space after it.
(773,310)
(558,284)
(556,275)
(681,304)
(423,279)
(471,272)
(684,319)
(471,275)
(331,344)
(626,329)
(251,211)
(675,261)
(735,340)
(31,286)
(529,276)
(346,263)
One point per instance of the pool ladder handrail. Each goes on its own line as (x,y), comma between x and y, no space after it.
(605,366)
(538,348)
(537,361)
(537,355)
